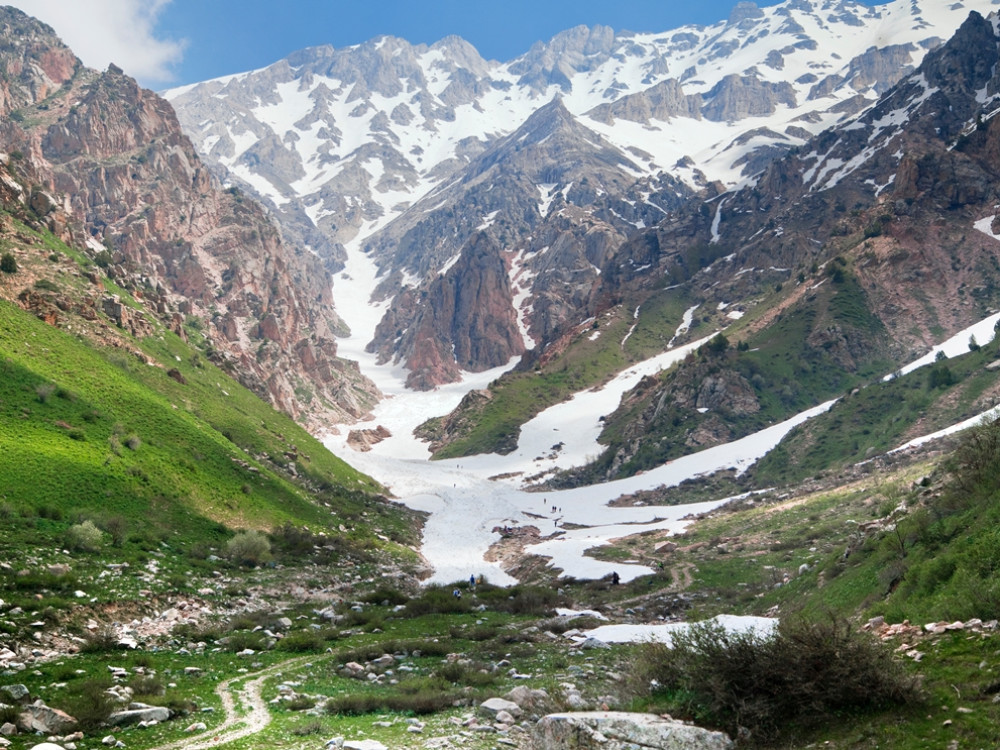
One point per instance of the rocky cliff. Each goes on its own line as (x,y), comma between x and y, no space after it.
(167,231)
(859,252)
(409,150)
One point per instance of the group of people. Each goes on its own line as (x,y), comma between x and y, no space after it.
(473,581)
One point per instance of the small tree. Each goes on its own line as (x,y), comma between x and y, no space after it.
(85,537)
(249,548)
(8,264)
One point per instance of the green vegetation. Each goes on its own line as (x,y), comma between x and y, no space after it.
(98,436)
(593,355)
(762,688)
(882,415)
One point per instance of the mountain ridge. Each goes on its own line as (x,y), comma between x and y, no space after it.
(686,107)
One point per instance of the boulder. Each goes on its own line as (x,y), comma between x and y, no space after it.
(620,730)
(135,716)
(534,701)
(16,693)
(493,706)
(41,718)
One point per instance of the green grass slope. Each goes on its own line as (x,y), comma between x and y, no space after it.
(91,432)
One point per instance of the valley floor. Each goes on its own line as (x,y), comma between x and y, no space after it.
(473,500)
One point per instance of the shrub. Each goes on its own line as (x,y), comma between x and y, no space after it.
(44,392)
(306,728)
(304,641)
(99,641)
(241,641)
(91,705)
(386,595)
(8,264)
(85,537)
(437,600)
(249,548)
(300,703)
(147,686)
(422,702)
(759,686)
(976,460)
(117,527)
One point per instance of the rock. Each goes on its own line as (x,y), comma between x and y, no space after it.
(8,730)
(40,718)
(198,726)
(109,740)
(594,643)
(126,718)
(532,700)
(14,693)
(284,622)
(494,706)
(620,730)
(504,717)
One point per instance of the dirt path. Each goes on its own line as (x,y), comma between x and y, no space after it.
(235,703)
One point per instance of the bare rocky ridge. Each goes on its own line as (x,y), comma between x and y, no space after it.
(132,180)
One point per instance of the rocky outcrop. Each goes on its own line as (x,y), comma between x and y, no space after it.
(174,236)
(36,64)
(619,730)
(139,713)
(38,717)
(663,101)
(738,97)
(464,319)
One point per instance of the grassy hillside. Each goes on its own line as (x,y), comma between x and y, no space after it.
(633,331)
(106,434)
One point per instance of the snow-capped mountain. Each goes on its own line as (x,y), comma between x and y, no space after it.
(395,147)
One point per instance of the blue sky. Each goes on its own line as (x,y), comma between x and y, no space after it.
(171,42)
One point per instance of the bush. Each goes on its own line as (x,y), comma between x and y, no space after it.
(44,392)
(760,687)
(975,463)
(100,641)
(300,703)
(85,537)
(249,548)
(422,702)
(92,705)
(147,686)
(437,600)
(8,264)
(304,641)
(241,641)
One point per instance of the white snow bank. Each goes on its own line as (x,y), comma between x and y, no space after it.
(983,332)
(663,632)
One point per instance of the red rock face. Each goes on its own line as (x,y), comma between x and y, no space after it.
(136,184)
(464,321)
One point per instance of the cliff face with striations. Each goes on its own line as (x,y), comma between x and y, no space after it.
(113,156)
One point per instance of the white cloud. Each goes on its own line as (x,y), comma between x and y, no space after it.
(122,32)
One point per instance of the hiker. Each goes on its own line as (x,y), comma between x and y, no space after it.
(472,580)
(457,593)
(615,579)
